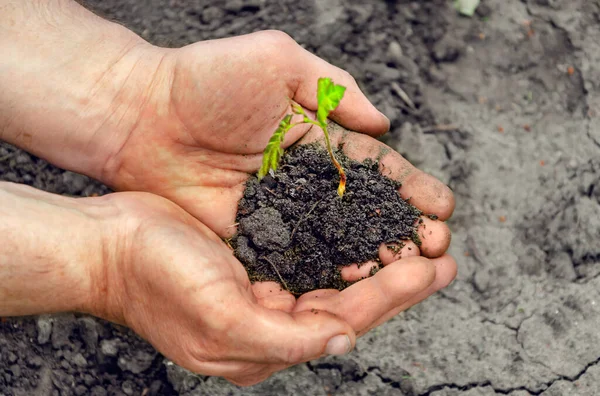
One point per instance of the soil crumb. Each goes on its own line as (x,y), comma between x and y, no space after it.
(294,229)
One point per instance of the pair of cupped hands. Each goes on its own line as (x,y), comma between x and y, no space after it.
(178,132)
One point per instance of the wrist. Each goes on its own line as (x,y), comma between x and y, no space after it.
(52,252)
(73,83)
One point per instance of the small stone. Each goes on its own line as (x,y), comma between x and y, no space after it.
(394,53)
(79,360)
(12,358)
(44,328)
(89,380)
(128,387)
(137,363)
(81,390)
(110,347)
(22,159)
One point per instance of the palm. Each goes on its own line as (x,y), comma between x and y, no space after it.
(186,294)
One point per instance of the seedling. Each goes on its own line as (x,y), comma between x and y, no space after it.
(329,96)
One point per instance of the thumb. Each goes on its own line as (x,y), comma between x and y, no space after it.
(275,337)
(355,111)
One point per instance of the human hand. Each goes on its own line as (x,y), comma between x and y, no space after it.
(215,104)
(178,285)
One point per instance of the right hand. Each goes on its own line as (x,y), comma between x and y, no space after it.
(178,285)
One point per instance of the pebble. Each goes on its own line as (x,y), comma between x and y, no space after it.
(22,159)
(110,347)
(128,387)
(44,327)
(394,53)
(79,360)
(139,362)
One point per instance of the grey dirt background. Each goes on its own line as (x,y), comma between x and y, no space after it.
(504,107)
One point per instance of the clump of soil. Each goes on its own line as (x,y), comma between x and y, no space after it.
(294,228)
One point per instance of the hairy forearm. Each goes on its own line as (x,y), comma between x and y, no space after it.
(50,251)
(67,82)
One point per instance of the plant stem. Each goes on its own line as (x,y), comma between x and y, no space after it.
(342,186)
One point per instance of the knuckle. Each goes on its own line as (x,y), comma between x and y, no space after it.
(277,37)
(276,45)
(349,77)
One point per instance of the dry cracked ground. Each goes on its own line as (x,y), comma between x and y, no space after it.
(504,107)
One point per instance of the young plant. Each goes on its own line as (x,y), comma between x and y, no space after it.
(329,96)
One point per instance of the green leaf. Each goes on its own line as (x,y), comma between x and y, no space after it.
(466,7)
(273,152)
(329,96)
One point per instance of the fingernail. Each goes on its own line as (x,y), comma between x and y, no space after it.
(338,345)
(387,120)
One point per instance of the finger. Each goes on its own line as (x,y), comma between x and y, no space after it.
(271,296)
(320,294)
(355,111)
(445,272)
(390,252)
(424,191)
(366,301)
(355,272)
(434,235)
(261,335)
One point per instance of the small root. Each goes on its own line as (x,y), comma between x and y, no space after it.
(277,272)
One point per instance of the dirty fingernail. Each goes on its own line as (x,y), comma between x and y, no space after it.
(338,345)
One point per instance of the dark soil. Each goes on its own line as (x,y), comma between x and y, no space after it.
(295,229)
